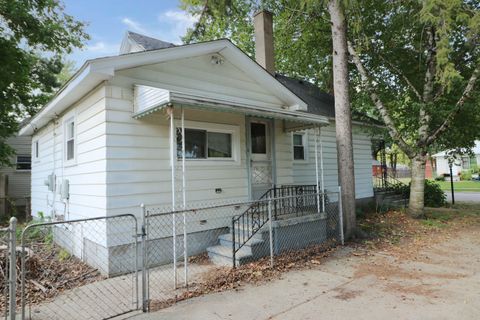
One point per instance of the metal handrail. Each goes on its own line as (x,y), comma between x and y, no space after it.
(247,224)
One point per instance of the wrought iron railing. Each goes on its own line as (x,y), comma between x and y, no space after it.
(289,200)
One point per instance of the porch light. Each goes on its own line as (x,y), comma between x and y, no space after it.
(217,60)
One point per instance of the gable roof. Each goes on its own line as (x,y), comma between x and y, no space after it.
(97,70)
(144,43)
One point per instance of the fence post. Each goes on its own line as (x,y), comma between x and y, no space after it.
(340,214)
(233,243)
(270,231)
(144,262)
(13,268)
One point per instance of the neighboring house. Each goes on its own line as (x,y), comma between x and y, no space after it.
(463,162)
(108,133)
(15,180)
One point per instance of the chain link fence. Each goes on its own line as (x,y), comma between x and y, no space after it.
(183,246)
(79,269)
(90,268)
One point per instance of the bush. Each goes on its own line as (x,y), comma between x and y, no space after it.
(475,168)
(439,178)
(434,195)
(466,175)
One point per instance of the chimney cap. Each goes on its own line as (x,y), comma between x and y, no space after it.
(262,11)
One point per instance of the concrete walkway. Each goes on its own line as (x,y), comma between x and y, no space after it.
(464,196)
(113,296)
(443,282)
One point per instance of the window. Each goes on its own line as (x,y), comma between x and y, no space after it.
(35,149)
(70,140)
(298,146)
(24,163)
(465,163)
(202,144)
(258,134)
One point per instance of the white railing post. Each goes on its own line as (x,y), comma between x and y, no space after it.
(317,177)
(340,214)
(173,158)
(184,202)
(270,231)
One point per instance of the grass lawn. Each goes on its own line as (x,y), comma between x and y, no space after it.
(461,186)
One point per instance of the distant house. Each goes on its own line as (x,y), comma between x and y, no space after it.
(463,162)
(15,180)
(111,135)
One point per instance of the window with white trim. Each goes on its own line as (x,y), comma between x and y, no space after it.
(204,144)
(24,163)
(36,151)
(299,143)
(70,140)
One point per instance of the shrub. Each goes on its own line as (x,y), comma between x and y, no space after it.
(434,195)
(466,175)
(439,178)
(475,168)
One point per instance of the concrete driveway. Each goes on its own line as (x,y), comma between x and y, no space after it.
(440,282)
(464,196)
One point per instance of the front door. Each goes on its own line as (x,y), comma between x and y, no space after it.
(261,175)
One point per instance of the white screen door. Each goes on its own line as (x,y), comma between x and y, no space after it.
(260,158)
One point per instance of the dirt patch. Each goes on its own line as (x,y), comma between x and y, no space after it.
(50,271)
(224,278)
(345,294)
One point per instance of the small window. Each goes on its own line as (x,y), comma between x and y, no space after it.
(35,149)
(24,163)
(298,147)
(465,163)
(70,140)
(200,144)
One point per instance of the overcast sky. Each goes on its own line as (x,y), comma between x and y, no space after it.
(109,19)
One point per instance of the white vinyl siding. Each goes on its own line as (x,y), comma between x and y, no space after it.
(87,176)
(304,173)
(199,78)
(138,167)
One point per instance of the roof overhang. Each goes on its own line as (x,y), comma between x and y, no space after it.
(93,72)
(302,120)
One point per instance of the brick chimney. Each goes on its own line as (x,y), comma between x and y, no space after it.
(264,53)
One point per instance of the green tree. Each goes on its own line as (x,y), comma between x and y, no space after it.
(34,34)
(418,62)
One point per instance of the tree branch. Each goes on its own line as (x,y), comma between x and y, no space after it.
(403,76)
(458,107)
(378,103)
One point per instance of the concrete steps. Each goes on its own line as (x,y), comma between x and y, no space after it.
(253,249)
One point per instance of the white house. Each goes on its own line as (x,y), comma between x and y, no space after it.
(15,180)
(110,133)
(463,162)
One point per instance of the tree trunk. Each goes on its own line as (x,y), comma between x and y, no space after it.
(417,188)
(343,120)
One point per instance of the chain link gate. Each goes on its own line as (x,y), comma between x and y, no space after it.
(80,269)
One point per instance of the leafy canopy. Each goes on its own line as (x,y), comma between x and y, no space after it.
(34,35)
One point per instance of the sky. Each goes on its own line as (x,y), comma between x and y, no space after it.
(108,20)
